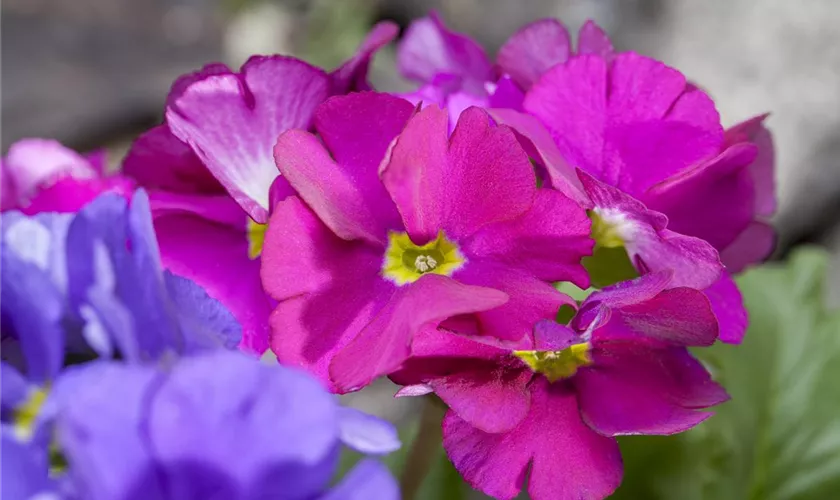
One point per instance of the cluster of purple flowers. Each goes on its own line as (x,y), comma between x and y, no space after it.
(423,236)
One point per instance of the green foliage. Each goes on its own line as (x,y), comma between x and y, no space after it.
(779,436)
(607,266)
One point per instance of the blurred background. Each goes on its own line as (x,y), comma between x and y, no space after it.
(95,73)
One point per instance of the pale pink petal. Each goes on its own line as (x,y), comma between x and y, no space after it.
(328,288)
(547,242)
(159,160)
(728,306)
(428,48)
(593,40)
(34,163)
(568,461)
(232,121)
(631,389)
(352,75)
(385,342)
(533,50)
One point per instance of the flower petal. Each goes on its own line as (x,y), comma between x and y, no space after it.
(232,121)
(428,48)
(592,39)
(352,75)
(159,160)
(368,480)
(753,246)
(568,460)
(534,49)
(366,433)
(763,168)
(632,389)
(547,242)
(728,306)
(385,342)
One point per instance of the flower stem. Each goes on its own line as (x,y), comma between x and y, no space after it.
(425,448)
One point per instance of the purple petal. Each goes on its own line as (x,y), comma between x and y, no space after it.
(632,389)
(552,336)
(232,121)
(728,306)
(428,48)
(159,160)
(23,471)
(593,40)
(752,246)
(497,464)
(328,288)
(385,342)
(534,49)
(763,168)
(352,75)
(368,480)
(366,433)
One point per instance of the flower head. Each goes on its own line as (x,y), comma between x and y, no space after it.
(404,227)
(620,367)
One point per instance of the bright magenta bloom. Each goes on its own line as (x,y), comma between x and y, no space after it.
(548,406)
(399,227)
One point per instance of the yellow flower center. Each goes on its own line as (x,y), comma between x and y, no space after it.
(256,237)
(609,262)
(556,365)
(405,262)
(25,415)
(609,229)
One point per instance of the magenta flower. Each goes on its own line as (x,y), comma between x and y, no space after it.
(455,72)
(399,226)
(549,407)
(211,175)
(41,175)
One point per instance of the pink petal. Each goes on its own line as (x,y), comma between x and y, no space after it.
(552,336)
(593,40)
(534,49)
(328,288)
(694,262)
(69,194)
(530,299)
(753,245)
(568,460)
(642,88)
(331,191)
(505,94)
(632,389)
(352,75)
(571,101)
(538,143)
(547,242)
(159,160)
(484,177)
(222,268)
(714,201)
(34,163)
(728,306)
(232,121)
(763,168)
(385,342)
(428,48)
(213,208)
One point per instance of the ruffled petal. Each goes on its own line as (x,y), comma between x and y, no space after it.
(632,389)
(232,121)
(534,49)
(568,459)
(352,75)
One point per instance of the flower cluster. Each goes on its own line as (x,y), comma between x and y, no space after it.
(537,241)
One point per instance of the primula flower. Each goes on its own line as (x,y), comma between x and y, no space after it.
(222,125)
(41,175)
(374,249)
(89,284)
(455,71)
(548,406)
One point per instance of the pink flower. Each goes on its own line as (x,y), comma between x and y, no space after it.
(211,175)
(549,406)
(440,229)
(41,175)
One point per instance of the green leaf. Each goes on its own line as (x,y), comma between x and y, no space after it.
(779,436)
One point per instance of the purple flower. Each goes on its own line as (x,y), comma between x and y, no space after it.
(216,425)
(223,125)
(548,406)
(441,228)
